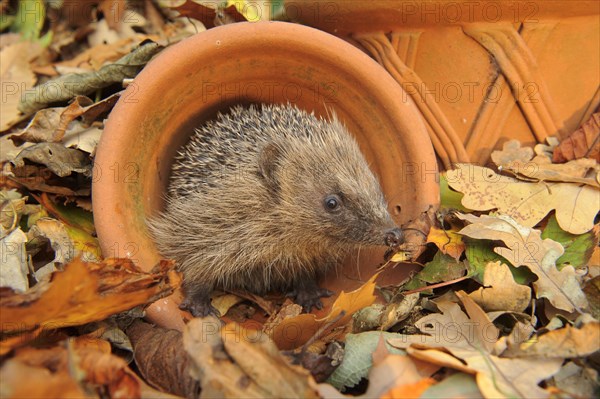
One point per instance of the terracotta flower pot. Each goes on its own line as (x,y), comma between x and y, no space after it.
(250,63)
(480,72)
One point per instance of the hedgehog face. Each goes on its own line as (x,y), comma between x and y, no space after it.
(350,206)
(329,191)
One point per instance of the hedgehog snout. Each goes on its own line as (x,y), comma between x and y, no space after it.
(393,237)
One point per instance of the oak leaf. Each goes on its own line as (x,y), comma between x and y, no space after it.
(500,291)
(576,205)
(525,247)
(470,340)
(564,342)
(520,162)
(576,381)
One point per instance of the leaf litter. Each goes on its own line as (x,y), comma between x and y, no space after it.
(505,305)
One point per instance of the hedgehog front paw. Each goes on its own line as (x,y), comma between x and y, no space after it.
(199,306)
(309,296)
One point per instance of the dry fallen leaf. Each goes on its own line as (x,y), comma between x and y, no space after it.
(218,375)
(8,149)
(398,376)
(500,292)
(40,178)
(65,87)
(50,124)
(567,342)
(413,390)
(528,203)
(261,360)
(520,333)
(225,302)
(58,124)
(525,247)
(161,358)
(86,292)
(510,378)
(576,381)
(583,142)
(471,339)
(464,337)
(512,152)
(397,310)
(95,57)
(22,381)
(293,332)
(401,375)
(60,160)
(234,362)
(415,234)
(448,241)
(12,207)
(82,362)
(16,77)
(212,13)
(69,214)
(14,261)
(287,310)
(513,158)
(457,385)
(66,241)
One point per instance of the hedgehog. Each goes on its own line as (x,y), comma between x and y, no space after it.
(268,198)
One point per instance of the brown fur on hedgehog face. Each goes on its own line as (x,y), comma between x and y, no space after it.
(329,191)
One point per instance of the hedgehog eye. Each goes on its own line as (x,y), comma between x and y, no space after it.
(332,203)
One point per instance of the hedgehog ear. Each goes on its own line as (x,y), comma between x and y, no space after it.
(267,164)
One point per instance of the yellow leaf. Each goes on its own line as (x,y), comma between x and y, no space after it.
(401,256)
(448,241)
(253,11)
